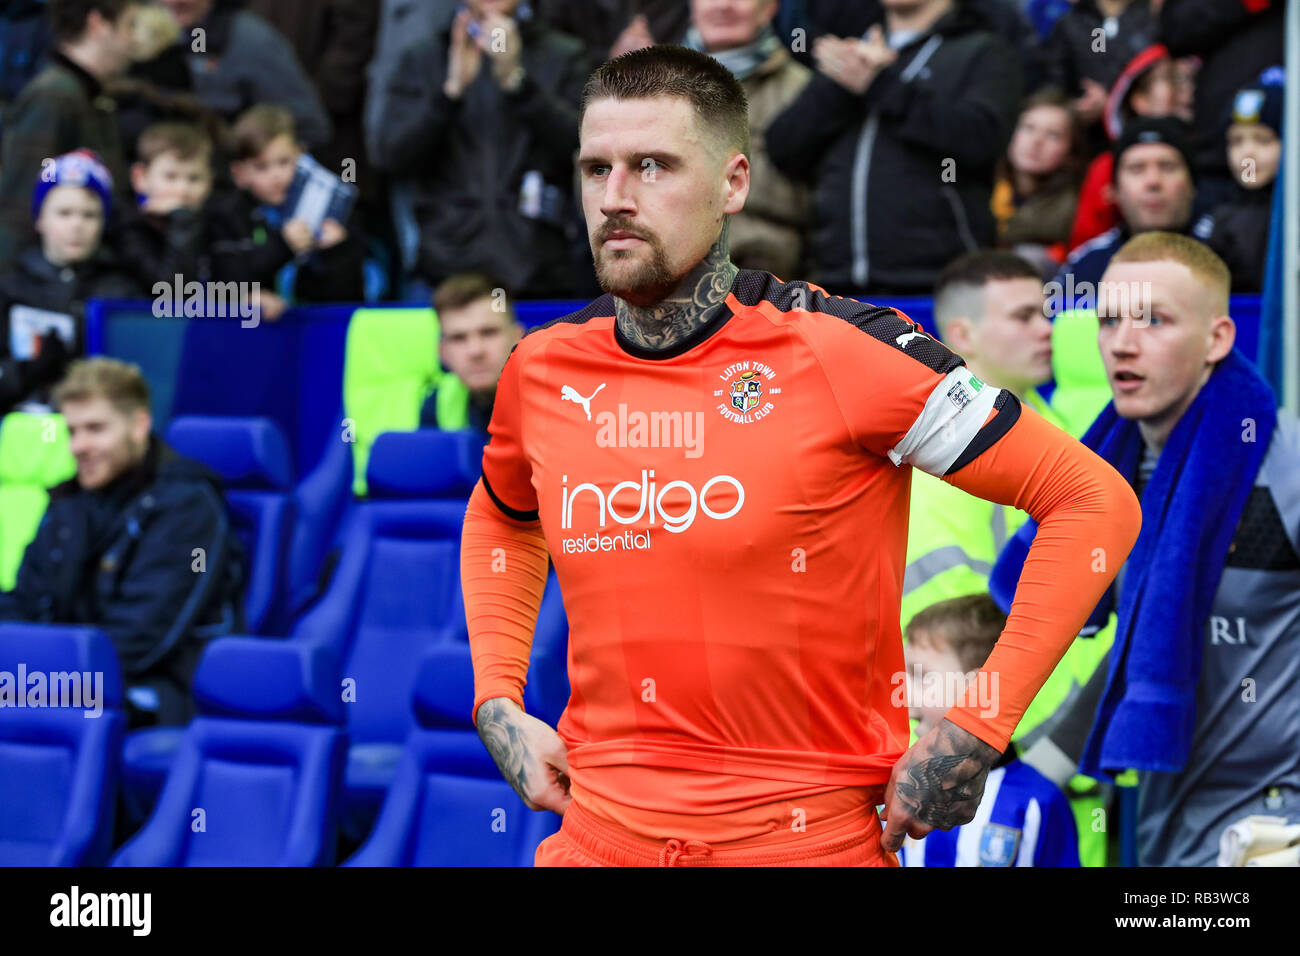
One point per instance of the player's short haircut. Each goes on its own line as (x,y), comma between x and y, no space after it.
(465,288)
(68,17)
(257,127)
(669,70)
(187,140)
(1209,270)
(119,382)
(959,290)
(968,626)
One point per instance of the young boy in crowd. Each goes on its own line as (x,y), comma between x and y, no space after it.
(1238,230)
(251,239)
(43,294)
(1023,818)
(164,236)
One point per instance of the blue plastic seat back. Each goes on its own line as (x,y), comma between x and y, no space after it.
(257,778)
(59,754)
(245,793)
(408,600)
(58,772)
(263,522)
(473,821)
(253,459)
(448,804)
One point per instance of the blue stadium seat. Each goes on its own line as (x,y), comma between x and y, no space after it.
(399,585)
(395,594)
(252,458)
(398,578)
(58,765)
(448,805)
(257,777)
(322,501)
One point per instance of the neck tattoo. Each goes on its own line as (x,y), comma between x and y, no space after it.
(696,301)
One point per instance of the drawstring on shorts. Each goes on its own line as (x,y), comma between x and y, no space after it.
(675,850)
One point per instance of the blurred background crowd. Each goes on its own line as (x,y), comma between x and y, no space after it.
(890,136)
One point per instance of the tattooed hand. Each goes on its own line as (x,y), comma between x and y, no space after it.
(937,784)
(529,753)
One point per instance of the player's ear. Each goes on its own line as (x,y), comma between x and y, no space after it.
(736,173)
(959,334)
(1223,334)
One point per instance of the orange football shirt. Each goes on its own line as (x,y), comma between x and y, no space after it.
(728,524)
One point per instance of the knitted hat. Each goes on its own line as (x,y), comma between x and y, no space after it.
(81,168)
(1141,130)
(1261,101)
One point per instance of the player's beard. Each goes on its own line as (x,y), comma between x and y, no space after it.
(627,274)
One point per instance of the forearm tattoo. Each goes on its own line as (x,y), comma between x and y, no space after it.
(504,741)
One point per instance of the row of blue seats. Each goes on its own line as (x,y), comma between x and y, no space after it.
(349,665)
(249,788)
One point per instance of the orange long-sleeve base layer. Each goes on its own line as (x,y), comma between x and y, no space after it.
(735,660)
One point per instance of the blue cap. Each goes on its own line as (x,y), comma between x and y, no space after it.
(81,168)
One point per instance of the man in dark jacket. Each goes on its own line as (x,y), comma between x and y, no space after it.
(484,122)
(1154,189)
(64,108)
(900,137)
(138,544)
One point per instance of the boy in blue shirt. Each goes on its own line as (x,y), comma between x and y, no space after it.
(1023,818)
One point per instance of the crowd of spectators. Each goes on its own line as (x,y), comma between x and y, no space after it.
(965,149)
(889,136)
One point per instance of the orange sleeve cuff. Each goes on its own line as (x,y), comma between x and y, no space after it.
(503,566)
(1088,519)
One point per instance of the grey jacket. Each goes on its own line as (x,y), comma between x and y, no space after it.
(245,61)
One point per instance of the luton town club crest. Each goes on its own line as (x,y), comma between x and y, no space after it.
(746,392)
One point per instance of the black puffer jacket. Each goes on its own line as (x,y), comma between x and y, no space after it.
(123,559)
(904,172)
(467,160)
